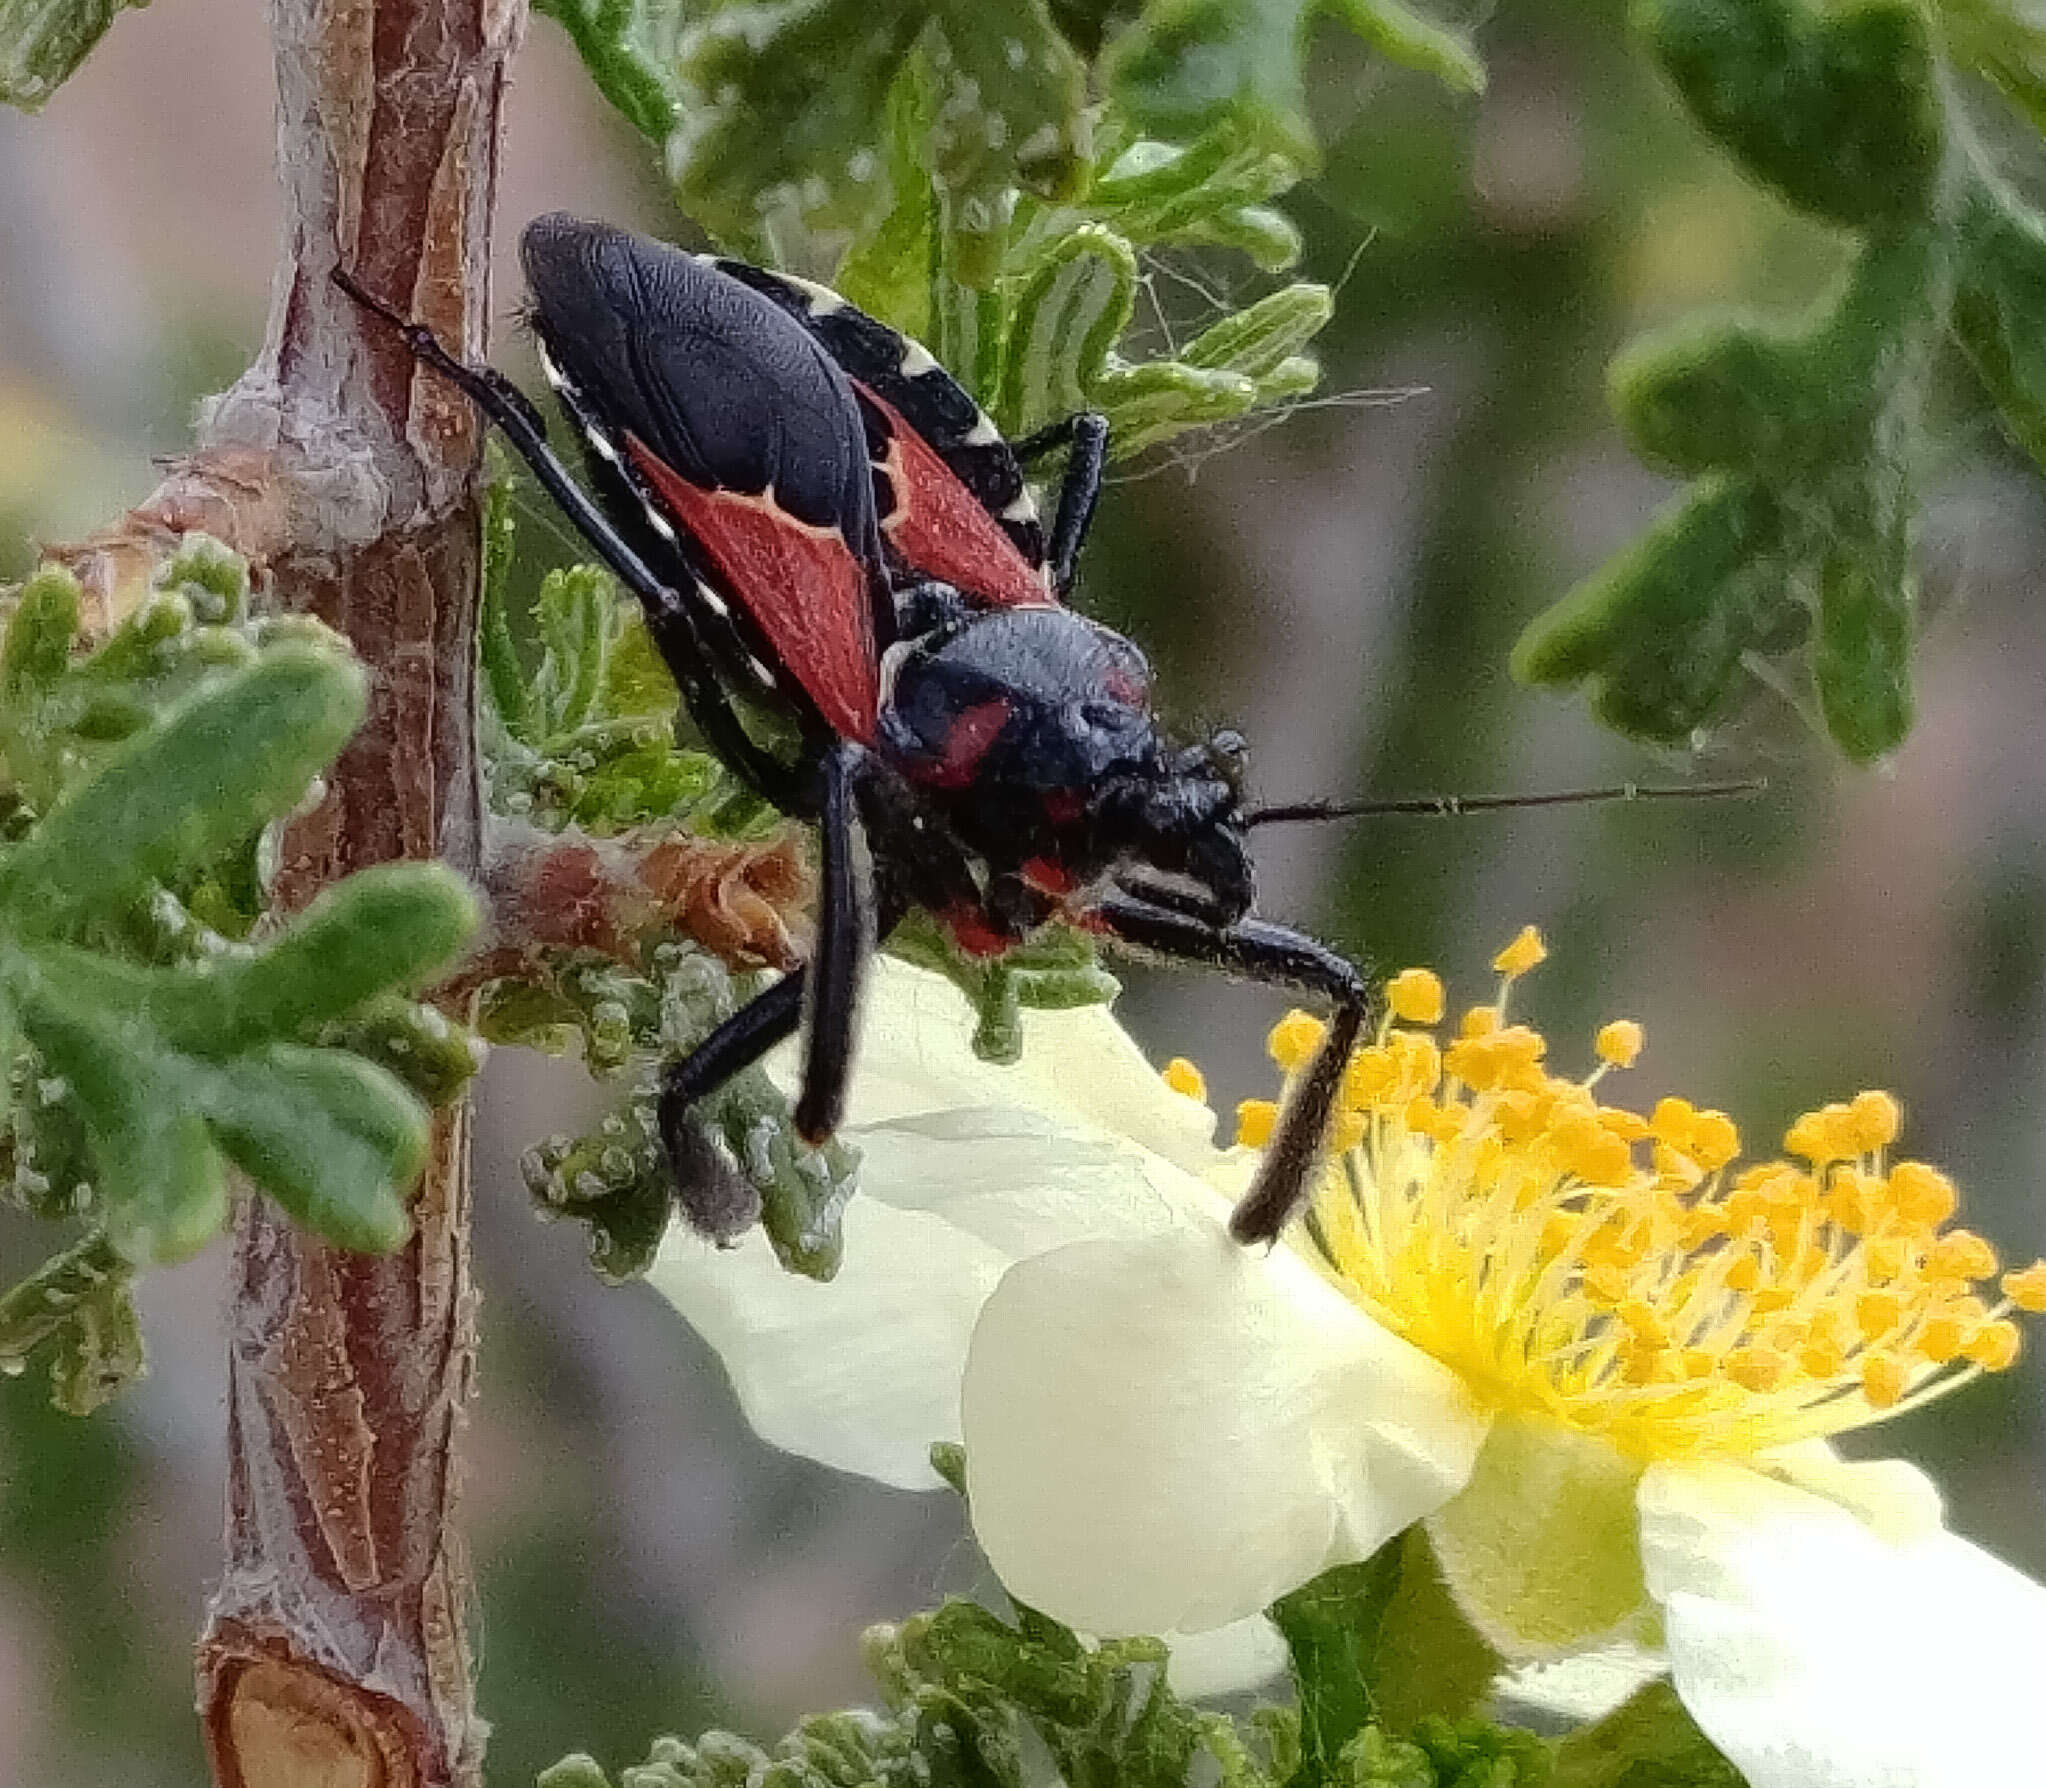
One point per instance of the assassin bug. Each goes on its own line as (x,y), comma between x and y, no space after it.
(814,515)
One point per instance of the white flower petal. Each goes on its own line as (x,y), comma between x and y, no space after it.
(1231,1660)
(862,1373)
(1024,1181)
(1816,1653)
(1167,1433)
(916,1056)
(1586,1687)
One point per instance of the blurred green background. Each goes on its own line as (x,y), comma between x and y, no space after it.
(1343,585)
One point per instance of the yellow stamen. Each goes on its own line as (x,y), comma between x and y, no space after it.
(1415,996)
(1294,1039)
(1256,1119)
(1525,952)
(1185,1079)
(1623,1274)
(2027,1289)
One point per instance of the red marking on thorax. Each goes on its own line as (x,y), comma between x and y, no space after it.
(1047,877)
(940,528)
(802,586)
(973,732)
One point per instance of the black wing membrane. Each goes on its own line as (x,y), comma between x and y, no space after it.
(683,381)
(906,377)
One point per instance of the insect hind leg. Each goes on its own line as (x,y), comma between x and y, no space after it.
(682,647)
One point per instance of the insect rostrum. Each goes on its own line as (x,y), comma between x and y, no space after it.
(814,515)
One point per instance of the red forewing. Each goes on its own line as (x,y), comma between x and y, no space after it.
(801,586)
(938,526)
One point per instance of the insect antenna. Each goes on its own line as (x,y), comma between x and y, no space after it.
(1454,806)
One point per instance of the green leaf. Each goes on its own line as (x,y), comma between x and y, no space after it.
(77,1302)
(628,52)
(1793,536)
(1261,341)
(780,126)
(1838,110)
(151,1044)
(1008,100)
(246,751)
(1055,971)
(1333,1628)
(1649,1742)
(42,42)
(1188,65)
(2000,307)
(1069,314)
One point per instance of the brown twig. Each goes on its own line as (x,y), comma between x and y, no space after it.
(335,1650)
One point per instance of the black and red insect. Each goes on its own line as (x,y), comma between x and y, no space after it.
(816,516)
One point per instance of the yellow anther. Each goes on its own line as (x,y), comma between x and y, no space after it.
(1852,1200)
(1714,1140)
(1745,1274)
(1526,950)
(1370,1079)
(1619,1043)
(1886,1259)
(1961,1254)
(1294,1039)
(1607,1284)
(1348,1131)
(1671,1121)
(1415,996)
(1822,1359)
(1628,1126)
(1945,1332)
(1642,1322)
(2027,1288)
(1883,1379)
(1822,1136)
(1255,1121)
(1875,1118)
(1757,1368)
(1677,1170)
(1994,1347)
(1185,1079)
(1922,1196)
(1479,1021)
(1877,1313)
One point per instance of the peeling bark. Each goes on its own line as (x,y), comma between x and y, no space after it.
(335,1655)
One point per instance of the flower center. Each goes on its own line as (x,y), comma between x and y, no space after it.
(1622,1274)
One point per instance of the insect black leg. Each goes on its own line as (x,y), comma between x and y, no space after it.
(1271,953)
(718,1201)
(1086,434)
(845,942)
(667,617)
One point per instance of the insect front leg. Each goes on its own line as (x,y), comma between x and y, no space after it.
(1281,957)
(1086,433)
(845,943)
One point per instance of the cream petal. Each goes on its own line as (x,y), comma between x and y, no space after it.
(862,1373)
(1818,1653)
(1583,1688)
(916,1056)
(1024,1181)
(1232,1660)
(1166,1433)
